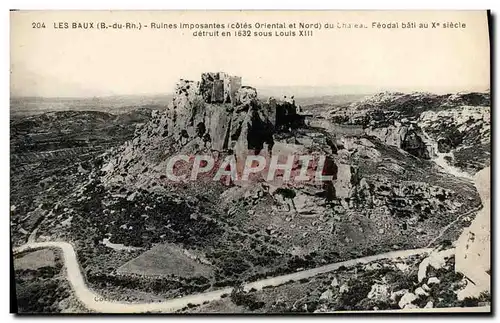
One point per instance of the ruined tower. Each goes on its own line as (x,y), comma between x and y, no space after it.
(219,87)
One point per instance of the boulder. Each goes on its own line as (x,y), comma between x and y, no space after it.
(421,292)
(308,205)
(245,95)
(406,137)
(399,293)
(436,259)
(344,288)
(379,292)
(407,299)
(402,266)
(326,295)
(372,266)
(344,183)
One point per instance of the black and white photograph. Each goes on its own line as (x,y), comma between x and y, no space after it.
(250,162)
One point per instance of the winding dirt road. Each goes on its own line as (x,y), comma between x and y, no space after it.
(95,302)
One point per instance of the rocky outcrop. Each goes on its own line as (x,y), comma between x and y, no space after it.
(407,137)
(286,115)
(473,247)
(216,115)
(462,132)
(225,114)
(392,135)
(379,292)
(453,131)
(436,260)
(426,125)
(414,144)
(404,199)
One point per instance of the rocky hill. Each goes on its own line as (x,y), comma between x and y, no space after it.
(380,197)
(70,129)
(216,115)
(52,153)
(387,189)
(451,129)
(29,106)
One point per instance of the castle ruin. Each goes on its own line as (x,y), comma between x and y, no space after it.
(219,87)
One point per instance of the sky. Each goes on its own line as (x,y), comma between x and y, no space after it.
(71,62)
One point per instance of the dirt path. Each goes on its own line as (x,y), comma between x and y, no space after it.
(97,303)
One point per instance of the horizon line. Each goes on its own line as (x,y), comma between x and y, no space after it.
(372,91)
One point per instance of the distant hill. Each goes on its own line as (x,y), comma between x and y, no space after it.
(70,129)
(340,99)
(314,91)
(23,106)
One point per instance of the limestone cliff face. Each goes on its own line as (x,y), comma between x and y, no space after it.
(216,115)
(462,132)
(473,252)
(227,115)
(426,125)
(407,137)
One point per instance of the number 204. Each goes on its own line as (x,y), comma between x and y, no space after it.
(38,25)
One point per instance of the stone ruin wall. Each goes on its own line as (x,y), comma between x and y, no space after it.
(219,87)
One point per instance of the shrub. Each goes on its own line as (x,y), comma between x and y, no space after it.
(248,300)
(358,290)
